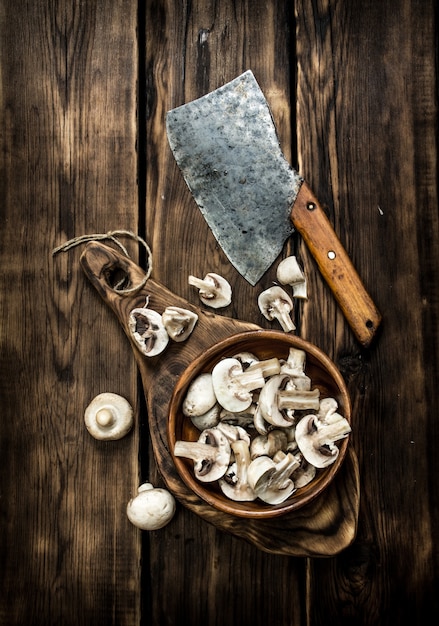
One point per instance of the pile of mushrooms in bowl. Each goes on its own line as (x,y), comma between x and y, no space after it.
(259,424)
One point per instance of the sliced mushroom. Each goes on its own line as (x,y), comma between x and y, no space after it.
(235,484)
(214,290)
(233,386)
(290,273)
(268,401)
(270,478)
(269,444)
(316,439)
(233,433)
(241,418)
(275,303)
(211,454)
(305,473)
(152,508)
(200,396)
(294,366)
(179,323)
(148,331)
(108,416)
(246,359)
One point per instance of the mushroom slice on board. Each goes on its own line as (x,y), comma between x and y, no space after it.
(213,290)
(179,323)
(148,331)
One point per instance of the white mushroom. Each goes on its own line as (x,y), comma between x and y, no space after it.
(235,484)
(269,444)
(294,366)
(270,478)
(275,303)
(268,401)
(305,473)
(108,416)
(148,331)
(290,273)
(233,433)
(179,323)
(211,454)
(316,439)
(214,290)
(200,396)
(297,399)
(239,418)
(152,508)
(209,419)
(233,386)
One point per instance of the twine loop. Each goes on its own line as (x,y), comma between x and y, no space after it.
(112,236)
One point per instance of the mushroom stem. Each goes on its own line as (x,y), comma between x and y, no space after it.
(268,368)
(207,287)
(297,399)
(195,450)
(250,379)
(329,433)
(105,417)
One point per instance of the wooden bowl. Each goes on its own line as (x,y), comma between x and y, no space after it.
(264,344)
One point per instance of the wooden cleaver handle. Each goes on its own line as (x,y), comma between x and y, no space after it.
(336,267)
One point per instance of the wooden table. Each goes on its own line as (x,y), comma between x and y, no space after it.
(85,88)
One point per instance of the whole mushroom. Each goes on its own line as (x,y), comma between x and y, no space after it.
(152,508)
(108,416)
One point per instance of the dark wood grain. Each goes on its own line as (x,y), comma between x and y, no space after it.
(85,87)
(367,115)
(68,554)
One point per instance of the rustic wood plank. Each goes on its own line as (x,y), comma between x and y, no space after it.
(68,553)
(367,122)
(193,48)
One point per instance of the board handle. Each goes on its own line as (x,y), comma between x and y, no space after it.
(335,265)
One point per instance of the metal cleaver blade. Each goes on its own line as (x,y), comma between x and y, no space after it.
(226,146)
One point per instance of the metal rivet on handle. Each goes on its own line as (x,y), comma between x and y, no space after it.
(311,206)
(331,255)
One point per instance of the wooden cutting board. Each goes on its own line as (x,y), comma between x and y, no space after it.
(325,526)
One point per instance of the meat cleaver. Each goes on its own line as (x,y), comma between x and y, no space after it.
(226,146)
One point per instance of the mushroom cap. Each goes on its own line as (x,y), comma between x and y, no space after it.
(200,396)
(152,508)
(108,416)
